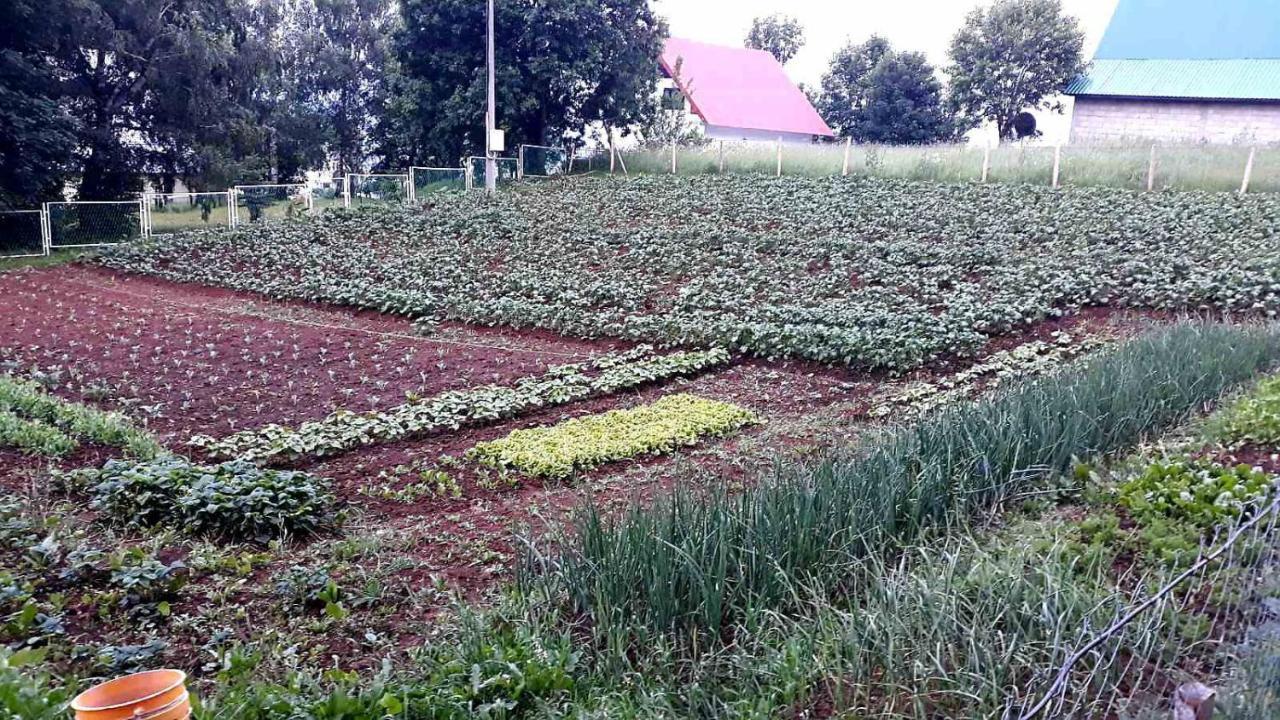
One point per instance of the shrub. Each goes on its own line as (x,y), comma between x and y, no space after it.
(233,500)
(584,443)
(697,562)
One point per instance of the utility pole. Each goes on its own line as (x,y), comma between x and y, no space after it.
(491,121)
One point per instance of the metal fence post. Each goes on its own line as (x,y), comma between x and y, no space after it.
(520,164)
(46,230)
(142,218)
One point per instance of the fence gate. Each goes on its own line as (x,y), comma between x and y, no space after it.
(174,212)
(427,180)
(266,203)
(542,161)
(508,170)
(94,223)
(23,233)
(377,188)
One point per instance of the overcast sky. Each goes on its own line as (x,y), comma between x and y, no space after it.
(923,25)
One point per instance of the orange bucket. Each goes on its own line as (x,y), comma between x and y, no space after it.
(152,695)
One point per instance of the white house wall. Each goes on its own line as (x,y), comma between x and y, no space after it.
(732,134)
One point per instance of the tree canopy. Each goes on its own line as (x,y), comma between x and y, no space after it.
(779,35)
(560,65)
(872,93)
(1013,56)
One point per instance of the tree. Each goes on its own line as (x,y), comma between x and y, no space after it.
(779,35)
(904,104)
(37,136)
(341,48)
(1015,55)
(846,83)
(561,65)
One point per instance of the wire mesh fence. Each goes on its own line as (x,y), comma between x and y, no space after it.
(542,161)
(426,180)
(22,233)
(377,189)
(82,223)
(328,194)
(508,171)
(252,204)
(175,212)
(1174,623)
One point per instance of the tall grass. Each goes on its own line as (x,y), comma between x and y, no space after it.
(695,564)
(1178,167)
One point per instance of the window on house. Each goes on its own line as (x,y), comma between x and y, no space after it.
(672,99)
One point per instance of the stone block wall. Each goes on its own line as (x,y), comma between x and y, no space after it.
(1097,120)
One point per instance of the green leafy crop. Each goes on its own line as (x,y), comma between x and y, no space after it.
(868,272)
(1199,492)
(587,442)
(235,500)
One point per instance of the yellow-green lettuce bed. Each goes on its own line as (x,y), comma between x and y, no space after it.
(558,451)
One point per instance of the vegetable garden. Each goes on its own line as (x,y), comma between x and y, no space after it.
(663,447)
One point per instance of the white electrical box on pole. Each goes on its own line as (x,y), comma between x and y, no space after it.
(491,121)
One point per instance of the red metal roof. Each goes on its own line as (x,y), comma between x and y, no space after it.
(741,88)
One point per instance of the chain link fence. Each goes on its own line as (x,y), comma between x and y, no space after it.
(542,161)
(22,233)
(84,223)
(508,171)
(377,189)
(427,180)
(253,204)
(176,212)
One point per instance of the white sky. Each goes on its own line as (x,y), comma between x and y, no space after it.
(922,25)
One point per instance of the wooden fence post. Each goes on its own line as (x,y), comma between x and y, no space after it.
(673,157)
(1057,164)
(613,154)
(1151,170)
(721,157)
(779,156)
(848,147)
(986,162)
(1248,171)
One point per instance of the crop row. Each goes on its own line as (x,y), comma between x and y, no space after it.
(868,272)
(34,421)
(658,567)
(584,443)
(344,430)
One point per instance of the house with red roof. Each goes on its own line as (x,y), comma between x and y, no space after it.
(738,94)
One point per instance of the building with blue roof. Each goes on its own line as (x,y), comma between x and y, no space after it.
(1183,70)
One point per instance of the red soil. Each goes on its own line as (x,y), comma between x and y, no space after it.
(191,360)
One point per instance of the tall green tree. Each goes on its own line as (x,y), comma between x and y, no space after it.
(37,135)
(137,75)
(1015,55)
(561,65)
(341,48)
(846,83)
(903,104)
(781,36)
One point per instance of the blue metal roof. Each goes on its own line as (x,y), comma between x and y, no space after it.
(1182,79)
(1192,30)
(1191,49)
